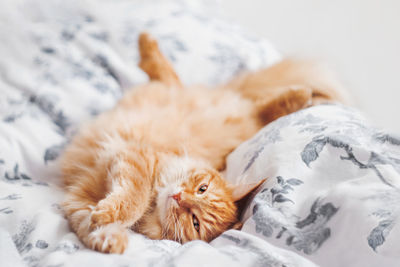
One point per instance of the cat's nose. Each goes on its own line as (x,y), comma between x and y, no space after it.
(177,197)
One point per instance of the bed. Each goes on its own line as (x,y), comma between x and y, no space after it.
(332,196)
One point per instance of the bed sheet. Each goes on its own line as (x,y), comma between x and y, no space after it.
(332,195)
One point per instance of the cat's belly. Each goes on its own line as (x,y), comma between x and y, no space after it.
(204,123)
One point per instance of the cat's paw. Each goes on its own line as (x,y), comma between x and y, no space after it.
(298,97)
(100,216)
(111,238)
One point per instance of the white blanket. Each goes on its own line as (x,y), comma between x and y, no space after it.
(333,190)
(332,197)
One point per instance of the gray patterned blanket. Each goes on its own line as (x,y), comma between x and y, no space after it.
(332,197)
(333,190)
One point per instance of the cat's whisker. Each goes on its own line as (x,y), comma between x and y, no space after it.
(163,229)
(181,233)
(176,232)
(166,227)
(175,228)
(170,223)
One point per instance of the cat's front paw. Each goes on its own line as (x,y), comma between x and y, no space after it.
(100,216)
(110,238)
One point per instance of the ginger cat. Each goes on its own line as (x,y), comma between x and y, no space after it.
(152,163)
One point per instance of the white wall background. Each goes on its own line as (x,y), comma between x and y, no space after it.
(358,39)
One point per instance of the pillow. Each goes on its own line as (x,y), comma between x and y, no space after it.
(332,193)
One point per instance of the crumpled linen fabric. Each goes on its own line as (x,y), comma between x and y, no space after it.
(331,190)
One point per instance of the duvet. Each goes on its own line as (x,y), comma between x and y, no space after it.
(333,190)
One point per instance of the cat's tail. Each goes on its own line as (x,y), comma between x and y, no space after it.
(153,62)
(288,86)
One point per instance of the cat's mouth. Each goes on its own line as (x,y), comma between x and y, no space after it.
(167,205)
(171,204)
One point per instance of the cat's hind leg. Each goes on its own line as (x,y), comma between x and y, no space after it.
(286,101)
(153,62)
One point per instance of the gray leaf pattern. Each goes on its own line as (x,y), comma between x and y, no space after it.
(263,259)
(377,235)
(306,234)
(21,238)
(53,152)
(41,244)
(387,215)
(383,138)
(312,150)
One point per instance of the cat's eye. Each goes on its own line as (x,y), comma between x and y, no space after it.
(196,223)
(202,189)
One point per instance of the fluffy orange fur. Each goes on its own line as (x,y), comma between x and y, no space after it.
(152,163)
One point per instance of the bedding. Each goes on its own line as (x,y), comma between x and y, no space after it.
(332,195)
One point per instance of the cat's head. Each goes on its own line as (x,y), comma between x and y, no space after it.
(195,202)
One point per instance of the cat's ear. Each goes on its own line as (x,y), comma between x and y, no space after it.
(242,191)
